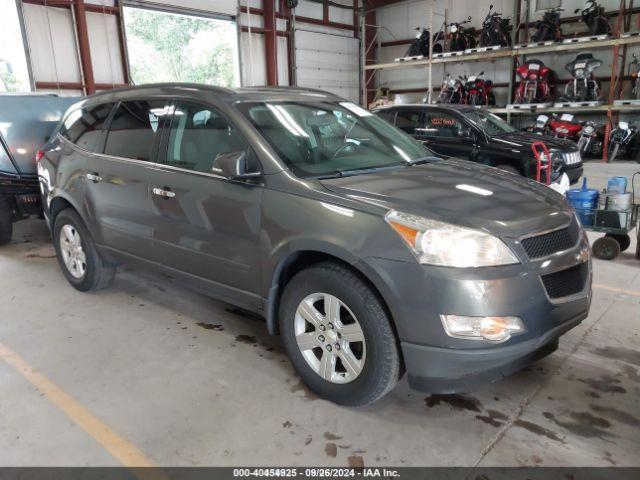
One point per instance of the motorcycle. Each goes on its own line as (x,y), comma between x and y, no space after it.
(623,136)
(495,30)
(420,44)
(584,86)
(590,141)
(461,38)
(451,91)
(549,27)
(634,72)
(479,91)
(540,127)
(563,126)
(534,82)
(593,15)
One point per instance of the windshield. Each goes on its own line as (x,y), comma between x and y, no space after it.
(318,139)
(488,122)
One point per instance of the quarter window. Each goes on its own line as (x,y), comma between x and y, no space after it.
(83,125)
(133,129)
(198,135)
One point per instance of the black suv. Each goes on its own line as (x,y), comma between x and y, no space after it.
(473,133)
(26,121)
(364,251)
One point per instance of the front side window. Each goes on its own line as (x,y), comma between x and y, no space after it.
(317,139)
(489,123)
(440,124)
(410,121)
(198,135)
(133,130)
(82,126)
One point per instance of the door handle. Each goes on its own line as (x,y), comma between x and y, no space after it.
(165,192)
(94,177)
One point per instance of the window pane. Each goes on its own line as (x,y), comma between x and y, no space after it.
(441,125)
(83,126)
(133,129)
(5,161)
(409,120)
(198,134)
(167,47)
(14,75)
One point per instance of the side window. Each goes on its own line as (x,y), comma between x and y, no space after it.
(386,115)
(83,125)
(440,124)
(410,121)
(198,134)
(133,129)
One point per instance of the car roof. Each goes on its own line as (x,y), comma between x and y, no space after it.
(225,94)
(456,107)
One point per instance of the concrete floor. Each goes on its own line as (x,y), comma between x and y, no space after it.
(187,380)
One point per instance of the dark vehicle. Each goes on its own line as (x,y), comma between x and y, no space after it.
(26,121)
(591,142)
(495,30)
(478,91)
(594,16)
(540,126)
(366,253)
(584,86)
(624,137)
(452,90)
(461,38)
(533,86)
(472,133)
(548,29)
(634,72)
(420,44)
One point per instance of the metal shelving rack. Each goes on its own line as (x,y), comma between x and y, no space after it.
(618,42)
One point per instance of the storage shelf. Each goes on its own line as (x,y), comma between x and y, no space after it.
(509,52)
(582,109)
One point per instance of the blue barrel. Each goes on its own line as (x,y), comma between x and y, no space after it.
(617,185)
(584,201)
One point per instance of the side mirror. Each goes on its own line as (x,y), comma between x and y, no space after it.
(233,166)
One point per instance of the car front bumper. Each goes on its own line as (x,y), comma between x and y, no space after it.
(574,172)
(418,294)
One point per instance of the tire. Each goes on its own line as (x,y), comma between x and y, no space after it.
(6,221)
(623,240)
(614,152)
(382,362)
(492,99)
(94,273)
(582,144)
(605,248)
(474,99)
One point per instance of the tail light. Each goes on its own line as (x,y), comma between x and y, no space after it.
(39,155)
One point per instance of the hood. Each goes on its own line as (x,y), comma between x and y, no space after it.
(523,140)
(514,207)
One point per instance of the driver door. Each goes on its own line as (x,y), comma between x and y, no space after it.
(444,133)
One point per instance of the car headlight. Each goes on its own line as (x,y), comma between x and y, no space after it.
(439,243)
(492,329)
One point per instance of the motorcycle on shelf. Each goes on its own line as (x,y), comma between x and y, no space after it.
(564,126)
(583,87)
(590,142)
(495,30)
(594,17)
(451,91)
(420,44)
(634,73)
(623,137)
(548,29)
(534,82)
(461,38)
(479,91)
(540,126)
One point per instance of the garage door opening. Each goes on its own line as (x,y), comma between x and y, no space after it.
(14,73)
(170,47)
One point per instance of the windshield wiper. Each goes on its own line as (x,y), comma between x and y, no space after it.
(422,160)
(354,171)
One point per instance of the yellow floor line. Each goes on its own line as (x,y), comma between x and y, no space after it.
(633,293)
(126,453)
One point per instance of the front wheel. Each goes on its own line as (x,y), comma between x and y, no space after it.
(614,152)
(81,263)
(338,335)
(6,221)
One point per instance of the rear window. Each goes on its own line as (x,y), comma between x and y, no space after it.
(83,126)
(133,129)
(5,161)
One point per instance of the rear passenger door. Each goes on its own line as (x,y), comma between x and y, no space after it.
(117,180)
(445,134)
(206,225)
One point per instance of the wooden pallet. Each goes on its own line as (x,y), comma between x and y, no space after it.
(585,39)
(409,59)
(577,104)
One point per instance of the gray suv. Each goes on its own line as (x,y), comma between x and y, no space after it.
(367,254)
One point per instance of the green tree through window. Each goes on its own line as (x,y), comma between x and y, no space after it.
(166,47)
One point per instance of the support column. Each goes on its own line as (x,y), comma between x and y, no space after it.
(270,39)
(370,32)
(83,46)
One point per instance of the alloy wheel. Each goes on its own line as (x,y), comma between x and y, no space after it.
(73,255)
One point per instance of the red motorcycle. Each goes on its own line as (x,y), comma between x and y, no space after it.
(478,91)
(534,83)
(564,126)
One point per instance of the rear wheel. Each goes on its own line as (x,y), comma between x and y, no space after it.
(605,248)
(81,263)
(338,335)
(6,221)
(623,240)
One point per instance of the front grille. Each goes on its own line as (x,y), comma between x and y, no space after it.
(572,158)
(549,243)
(566,282)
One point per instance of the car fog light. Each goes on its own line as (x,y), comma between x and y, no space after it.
(493,329)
